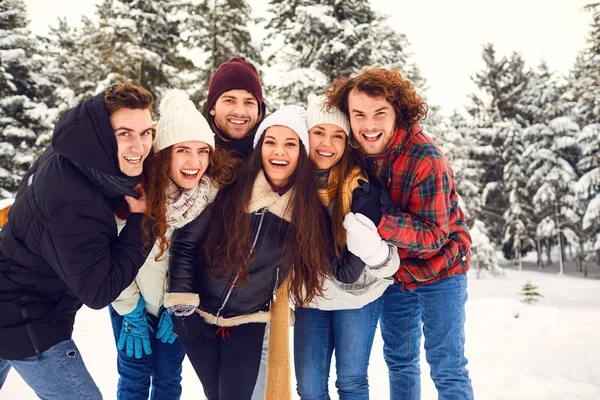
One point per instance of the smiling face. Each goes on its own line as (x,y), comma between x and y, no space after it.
(235,113)
(133,130)
(372,120)
(327,145)
(280,153)
(189,161)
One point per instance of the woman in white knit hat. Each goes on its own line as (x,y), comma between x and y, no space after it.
(268,230)
(179,181)
(345,317)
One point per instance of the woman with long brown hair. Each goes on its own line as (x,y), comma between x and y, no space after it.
(345,317)
(179,182)
(267,229)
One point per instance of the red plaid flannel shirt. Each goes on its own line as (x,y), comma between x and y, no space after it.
(428,227)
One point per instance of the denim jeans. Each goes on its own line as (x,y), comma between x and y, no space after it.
(162,368)
(350,332)
(59,374)
(439,308)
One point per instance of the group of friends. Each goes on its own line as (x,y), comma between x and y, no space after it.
(211,232)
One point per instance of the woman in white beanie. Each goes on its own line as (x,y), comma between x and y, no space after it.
(268,230)
(179,182)
(345,317)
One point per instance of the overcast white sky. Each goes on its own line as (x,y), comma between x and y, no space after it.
(446,35)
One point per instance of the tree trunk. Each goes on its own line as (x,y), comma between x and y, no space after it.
(561,267)
(580,256)
(548,252)
(538,249)
(563,248)
(519,255)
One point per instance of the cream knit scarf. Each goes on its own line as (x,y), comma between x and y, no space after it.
(184,206)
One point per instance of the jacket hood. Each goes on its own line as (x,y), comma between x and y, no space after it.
(84,135)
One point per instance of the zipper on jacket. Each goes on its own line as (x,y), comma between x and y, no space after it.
(275,286)
(260,212)
(31,335)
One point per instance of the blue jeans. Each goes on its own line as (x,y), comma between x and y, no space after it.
(60,374)
(440,308)
(162,368)
(350,332)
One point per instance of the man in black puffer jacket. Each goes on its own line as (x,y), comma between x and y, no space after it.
(60,249)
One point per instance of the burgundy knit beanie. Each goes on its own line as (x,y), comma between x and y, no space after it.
(236,73)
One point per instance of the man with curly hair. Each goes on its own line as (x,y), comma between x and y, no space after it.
(412,199)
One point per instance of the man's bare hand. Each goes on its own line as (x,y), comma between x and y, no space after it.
(138,205)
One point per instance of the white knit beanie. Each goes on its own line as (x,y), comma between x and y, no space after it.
(180,121)
(293,117)
(316,114)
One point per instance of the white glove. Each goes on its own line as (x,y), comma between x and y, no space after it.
(364,241)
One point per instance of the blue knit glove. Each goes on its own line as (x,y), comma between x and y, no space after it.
(164,331)
(135,332)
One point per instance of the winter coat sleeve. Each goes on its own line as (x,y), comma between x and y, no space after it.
(348,270)
(184,258)
(127,300)
(349,267)
(422,229)
(388,268)
(78,243)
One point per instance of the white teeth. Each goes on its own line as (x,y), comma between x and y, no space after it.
(277,162)
(371,135)
(133,159)
(189,171)
(237,121)
(324,154)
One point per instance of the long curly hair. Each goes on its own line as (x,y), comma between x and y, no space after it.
(380,82)
(222,170)
(305,248)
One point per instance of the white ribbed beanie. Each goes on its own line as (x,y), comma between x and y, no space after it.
(293,117)
(316,114)
(180,121)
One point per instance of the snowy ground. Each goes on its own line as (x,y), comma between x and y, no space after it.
(544,351)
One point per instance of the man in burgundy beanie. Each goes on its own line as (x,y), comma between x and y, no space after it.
(234,107)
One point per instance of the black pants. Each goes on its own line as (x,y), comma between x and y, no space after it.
(226,360)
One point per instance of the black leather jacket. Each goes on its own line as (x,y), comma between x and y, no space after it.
(188,272)
(224,297)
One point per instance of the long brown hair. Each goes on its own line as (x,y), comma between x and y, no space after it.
(305,247)
(222,169)
(380,82)
(342,171)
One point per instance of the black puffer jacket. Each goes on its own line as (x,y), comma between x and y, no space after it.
(60,247)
